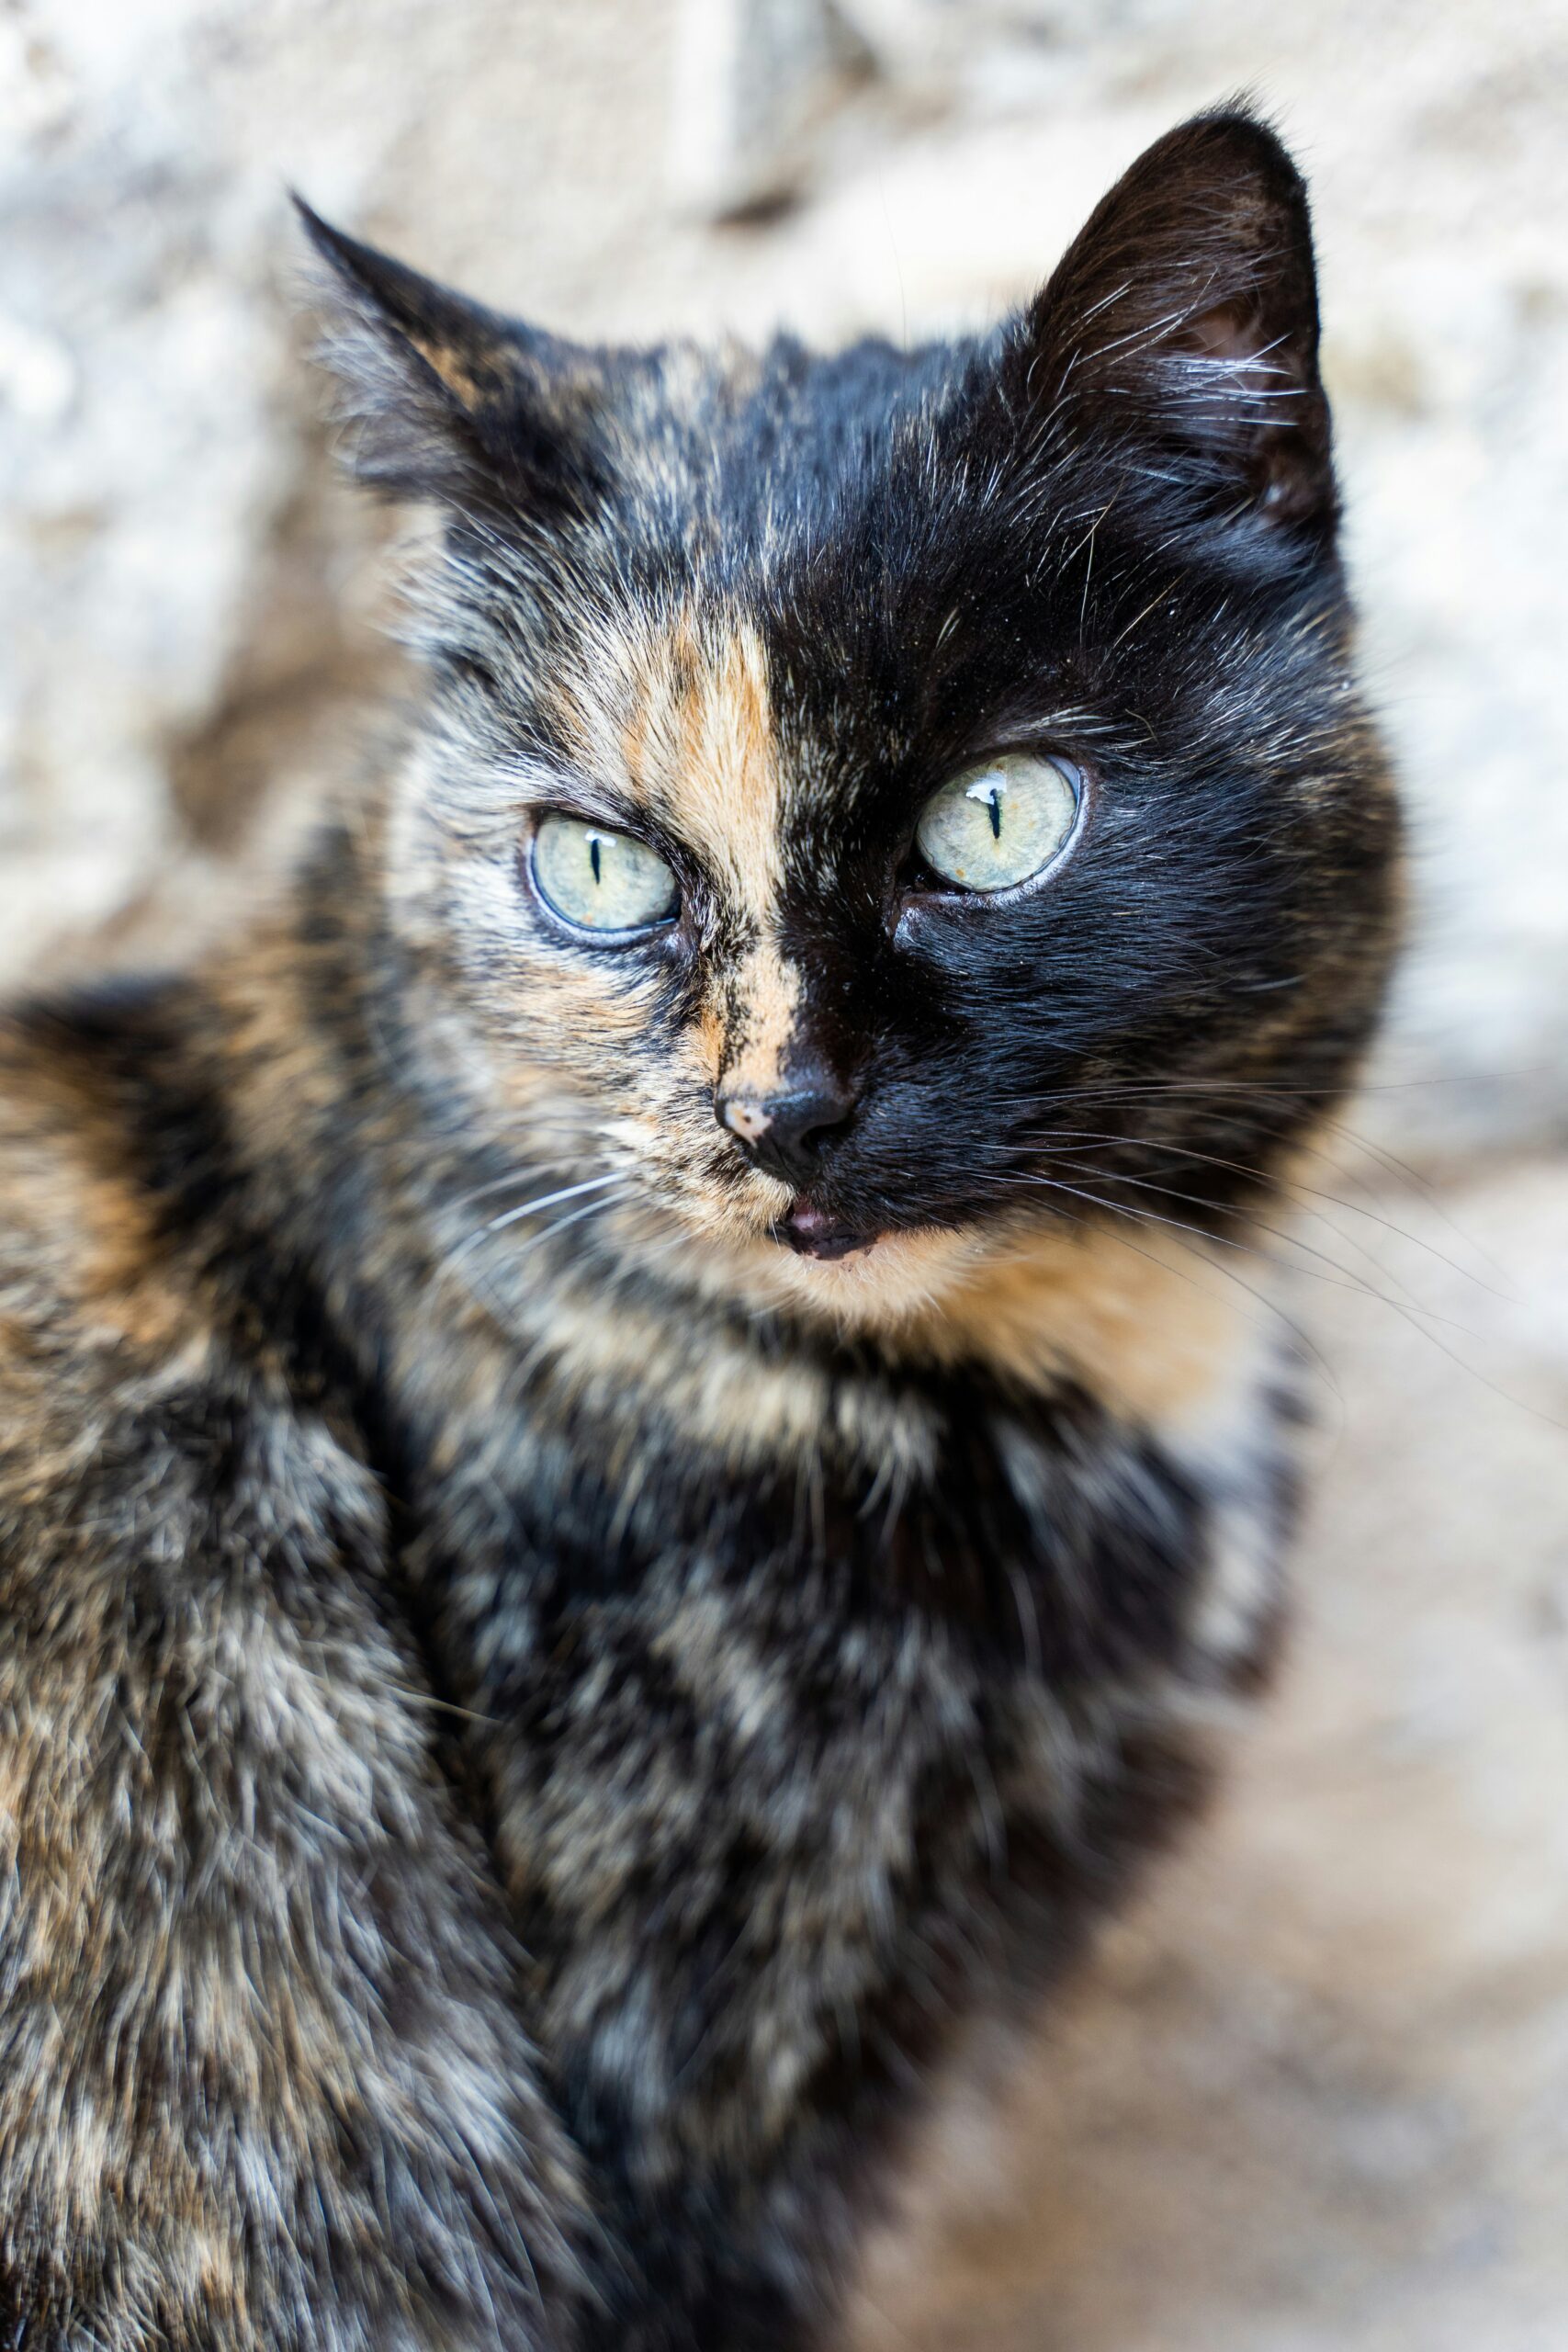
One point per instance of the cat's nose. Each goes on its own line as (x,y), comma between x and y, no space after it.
(783,1133)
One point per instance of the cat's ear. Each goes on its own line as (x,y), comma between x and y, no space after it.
(1181,326)
(444,398)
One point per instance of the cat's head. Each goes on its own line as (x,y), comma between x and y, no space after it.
(872,803)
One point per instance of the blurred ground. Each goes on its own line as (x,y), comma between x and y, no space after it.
(1315,2095)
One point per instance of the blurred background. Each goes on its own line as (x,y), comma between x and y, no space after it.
(1314,2093)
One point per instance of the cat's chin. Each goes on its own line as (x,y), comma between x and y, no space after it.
(811,1233)
(853,1282)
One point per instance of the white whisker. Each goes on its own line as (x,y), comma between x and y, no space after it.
(549,1201)
(532,1208)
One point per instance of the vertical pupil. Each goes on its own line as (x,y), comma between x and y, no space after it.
(994,802)
(593,854)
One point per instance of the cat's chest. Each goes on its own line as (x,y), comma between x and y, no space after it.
(815,1742)
(1074,1473)
(832,1537)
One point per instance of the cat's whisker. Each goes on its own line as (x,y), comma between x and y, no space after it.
(1183,1090)
(1422,1320)
(591,1208)
(599,1184)
(1278,1087)
(1062,1142)
(1341,1277)
(1307,1212)
(529,1174)
(550,1200)
(1273,1317)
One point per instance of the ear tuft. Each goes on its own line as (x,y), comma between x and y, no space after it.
(445,399)
(1182,324)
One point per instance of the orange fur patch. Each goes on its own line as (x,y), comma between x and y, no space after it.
(680,720)
(768,991)
(697,744)
(721,790)
(450,367)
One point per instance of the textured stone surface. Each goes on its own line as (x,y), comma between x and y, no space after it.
(1313,2096)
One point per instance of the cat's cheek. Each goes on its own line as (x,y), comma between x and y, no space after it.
(556,1044)
(694,1182)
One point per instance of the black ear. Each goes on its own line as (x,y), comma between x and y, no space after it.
(1182,325)
(447,399)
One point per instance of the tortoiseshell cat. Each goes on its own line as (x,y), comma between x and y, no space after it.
(631,1477)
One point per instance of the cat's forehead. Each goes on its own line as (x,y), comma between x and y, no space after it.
(730,426)
(731,672)
(674,713)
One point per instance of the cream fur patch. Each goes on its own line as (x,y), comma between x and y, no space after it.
(768,991)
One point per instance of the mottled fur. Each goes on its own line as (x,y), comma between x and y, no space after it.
(527,1708)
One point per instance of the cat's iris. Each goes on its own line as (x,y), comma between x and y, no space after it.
(601,880)
(1000,823)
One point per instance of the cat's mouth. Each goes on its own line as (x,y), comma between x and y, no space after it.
(811,1232)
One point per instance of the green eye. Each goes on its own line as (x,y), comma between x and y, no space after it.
(601,880)
(1000,823)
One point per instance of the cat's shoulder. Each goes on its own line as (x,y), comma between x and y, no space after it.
(95,1306)
(147,1423)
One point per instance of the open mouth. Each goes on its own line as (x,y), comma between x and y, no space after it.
(812,1233)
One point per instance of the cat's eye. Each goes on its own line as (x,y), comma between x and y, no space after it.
(601,880)
(1001,822)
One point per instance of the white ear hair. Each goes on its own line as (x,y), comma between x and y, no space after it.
(1183,322)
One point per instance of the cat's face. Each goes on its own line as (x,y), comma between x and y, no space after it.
(874,803)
